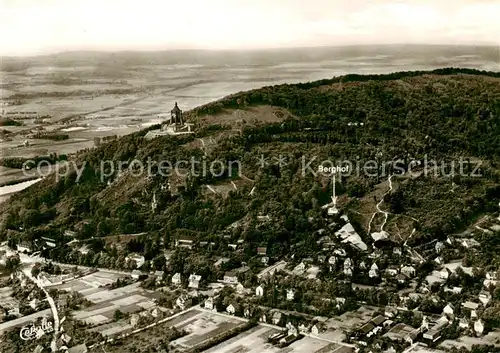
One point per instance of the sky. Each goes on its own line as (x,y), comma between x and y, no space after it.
(31,27)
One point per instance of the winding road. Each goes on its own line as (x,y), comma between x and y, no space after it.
(53,308)
(386,214)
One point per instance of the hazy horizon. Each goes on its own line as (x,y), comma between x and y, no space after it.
(243,50)
(55,26)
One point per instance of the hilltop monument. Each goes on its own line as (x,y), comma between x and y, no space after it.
(174,125)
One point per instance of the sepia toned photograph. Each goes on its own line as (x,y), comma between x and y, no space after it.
(250,176)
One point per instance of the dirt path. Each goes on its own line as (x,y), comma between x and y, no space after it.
(379,210)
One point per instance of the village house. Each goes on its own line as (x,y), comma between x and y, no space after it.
(439,247)
(470,305)
(449,310)
(390,311)
(401,278)
(340,301)
(491,275)
(315,330)
(181,302)
(264,260)
(221,261)
(159,276)
(240,289)
(259,291)
(473,315)
(299,269)
(463,323)
(209,303)
(444,273)
(276,318)
(290,294)
(303,329)
(230,309)
(454,290)
(25,247)
(478,327)
(348,267)
(434,334)
(484,297)
(408,271)
(392,271)
(373,273)
(262,251)
(292,330)
(362,265)
(176,279)
(231,277)
(412,336)
(470,243)
(340,252)
(194,281)
(136,274)
(185,241)
(139,259)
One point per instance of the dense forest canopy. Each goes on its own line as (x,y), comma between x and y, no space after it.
(443,115)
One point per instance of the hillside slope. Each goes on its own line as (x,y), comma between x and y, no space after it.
(447,115)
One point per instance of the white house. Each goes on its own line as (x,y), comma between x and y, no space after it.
(139,259)
(473,315)
(276,318)
(194,281)
(373,271)
(470,243)
(340,301)
(332,260)
(444,273)
(159,276)
(439,247)
(408,271)
(181,302)
(230,309)
(470,305)
(315,330)
(392,270)
(292,330)
(299,269)
(259,291)
(449,310)
(492,275)
(348,267)
(240,289)
(209,304)
(479,327)
(290,294)
(484,297)
(246,313)
(34,303)
(176,279)
(463,323)
(303,329)
(136,274)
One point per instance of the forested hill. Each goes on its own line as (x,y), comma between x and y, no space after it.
(446,115)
